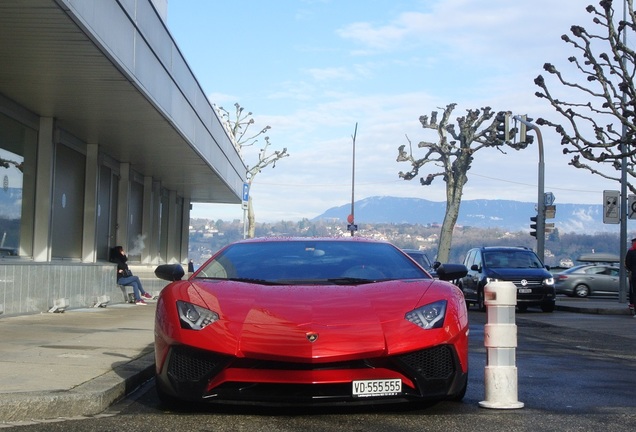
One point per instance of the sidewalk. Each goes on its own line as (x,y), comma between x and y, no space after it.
(74,363)
(82,361)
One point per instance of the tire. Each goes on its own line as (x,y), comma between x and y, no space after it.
(459,396)
(581,291)
(548,307)
(480,299)
(168,402)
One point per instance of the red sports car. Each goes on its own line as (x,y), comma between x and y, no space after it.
(311,321)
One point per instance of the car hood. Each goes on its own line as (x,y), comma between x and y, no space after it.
(344,320)
(519,273)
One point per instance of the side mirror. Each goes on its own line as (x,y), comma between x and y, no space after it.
(449,272)
(169,272)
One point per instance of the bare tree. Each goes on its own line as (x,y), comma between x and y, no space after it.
(238,126)
(601,111)
(452,154)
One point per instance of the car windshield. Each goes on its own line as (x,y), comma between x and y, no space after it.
(512,259)
(311,262)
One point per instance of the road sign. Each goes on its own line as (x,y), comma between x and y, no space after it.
(548,198)
(550,211)
(246,195)
(631,206)
(611,207)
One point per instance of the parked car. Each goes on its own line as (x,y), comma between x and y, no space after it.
(588,279)
(519,265)
(299,321)
(422,259)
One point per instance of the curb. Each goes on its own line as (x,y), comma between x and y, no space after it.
(593,310)
(90,398)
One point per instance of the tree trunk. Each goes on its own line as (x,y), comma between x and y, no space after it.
(251,219)
(455,181)
(446,235)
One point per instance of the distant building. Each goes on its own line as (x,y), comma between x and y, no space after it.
(106,138)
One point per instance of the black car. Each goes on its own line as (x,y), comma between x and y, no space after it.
(519,265)
(423,260)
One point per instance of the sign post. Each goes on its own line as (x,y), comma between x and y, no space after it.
(611,207)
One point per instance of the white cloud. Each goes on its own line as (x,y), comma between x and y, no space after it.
(420,55)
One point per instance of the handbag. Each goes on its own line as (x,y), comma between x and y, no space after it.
(127,273)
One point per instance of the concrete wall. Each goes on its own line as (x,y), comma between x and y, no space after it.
(33,287)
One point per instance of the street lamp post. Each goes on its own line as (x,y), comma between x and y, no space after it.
(541,190)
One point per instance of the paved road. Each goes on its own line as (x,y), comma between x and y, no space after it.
(576,372)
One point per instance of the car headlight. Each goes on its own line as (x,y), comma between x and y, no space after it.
(195,317)
(429,316)
(488,280)
(548,281)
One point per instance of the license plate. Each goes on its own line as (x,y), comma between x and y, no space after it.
(383,387)
(525,290)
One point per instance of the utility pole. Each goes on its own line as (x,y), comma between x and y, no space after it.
(541,189)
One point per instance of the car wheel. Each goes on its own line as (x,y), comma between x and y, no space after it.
(468,302)
(460,395)
(581,291)
(480,300)
(168,402)
(548,307)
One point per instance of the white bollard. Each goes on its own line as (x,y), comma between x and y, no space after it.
(500,340)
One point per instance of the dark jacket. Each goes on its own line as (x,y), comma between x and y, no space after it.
(630,261)
(120,259)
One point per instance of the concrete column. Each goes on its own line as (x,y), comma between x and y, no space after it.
(173,233)
(90,204)
(155,214)
(147,226)
(43,191)
(185,231)
(123,197)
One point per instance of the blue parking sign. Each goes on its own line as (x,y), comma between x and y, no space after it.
(246,192)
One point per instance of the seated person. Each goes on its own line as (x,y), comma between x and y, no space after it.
(125,276)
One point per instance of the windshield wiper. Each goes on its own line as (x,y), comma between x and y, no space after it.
(246,280)
(350,281)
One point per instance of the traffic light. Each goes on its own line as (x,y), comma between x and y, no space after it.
(533,226)
(523,131)
(503,126)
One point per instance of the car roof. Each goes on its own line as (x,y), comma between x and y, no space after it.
(494,248)
(272,239)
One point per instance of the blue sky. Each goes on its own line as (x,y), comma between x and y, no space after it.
(312,69)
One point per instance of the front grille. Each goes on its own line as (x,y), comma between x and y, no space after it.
(432,363)
(190,370)
(192,365)
(529,283)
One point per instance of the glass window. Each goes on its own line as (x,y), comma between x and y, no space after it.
(18,145)
(311,262)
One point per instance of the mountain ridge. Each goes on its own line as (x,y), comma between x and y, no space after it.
(481,213)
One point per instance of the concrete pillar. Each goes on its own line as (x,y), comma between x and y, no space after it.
(147,226)
(123,198)
(43,191)
(89,254)
(173,240)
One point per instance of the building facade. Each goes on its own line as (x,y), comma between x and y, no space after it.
(106,138)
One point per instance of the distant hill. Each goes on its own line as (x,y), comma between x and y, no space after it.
(505,214)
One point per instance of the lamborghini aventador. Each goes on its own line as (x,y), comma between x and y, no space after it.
(311,321)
